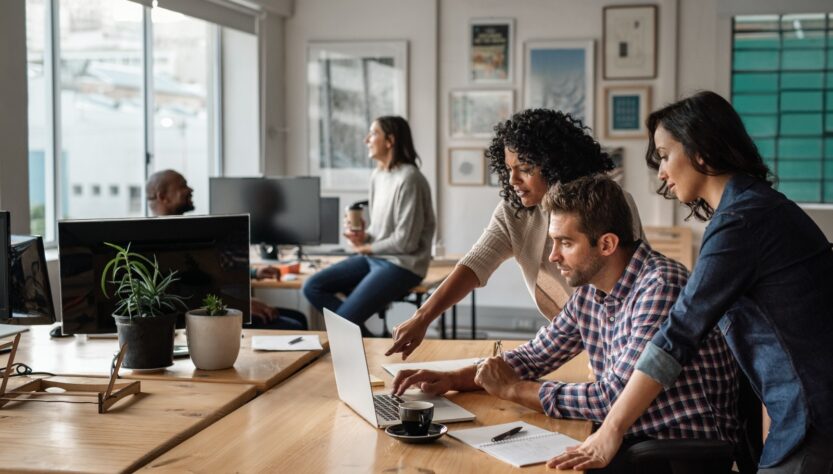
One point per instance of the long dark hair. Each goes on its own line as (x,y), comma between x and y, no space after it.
(708,127)
(557,144)
(403,142)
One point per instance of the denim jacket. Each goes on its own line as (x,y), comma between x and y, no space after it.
(765,277)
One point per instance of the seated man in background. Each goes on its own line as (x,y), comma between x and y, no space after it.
(624,292)
(168,194)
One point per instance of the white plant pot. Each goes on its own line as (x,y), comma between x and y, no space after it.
(213,341)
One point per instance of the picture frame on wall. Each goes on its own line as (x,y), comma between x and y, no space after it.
(490,50)
(560,75)
(492,179)
(349,84)
(629,38)
(626,109)
(474,113)
(466,166)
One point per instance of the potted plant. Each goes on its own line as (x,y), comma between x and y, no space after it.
(145,313)
(213,334)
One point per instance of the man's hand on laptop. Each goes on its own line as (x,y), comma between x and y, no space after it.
(431,382)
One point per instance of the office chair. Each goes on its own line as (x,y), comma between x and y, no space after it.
(678,456)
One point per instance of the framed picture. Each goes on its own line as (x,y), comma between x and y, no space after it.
(630,42)
(559,75)
(466,166)
(474,113)
(490,50)
(492,179)
(626,109)
(348,85)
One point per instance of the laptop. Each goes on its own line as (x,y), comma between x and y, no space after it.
(353,380)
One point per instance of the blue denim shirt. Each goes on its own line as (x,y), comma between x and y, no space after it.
(765,276)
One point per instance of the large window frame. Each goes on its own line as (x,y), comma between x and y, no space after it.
(782,86)
(53,148)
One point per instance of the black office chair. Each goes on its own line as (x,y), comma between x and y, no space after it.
(678,456)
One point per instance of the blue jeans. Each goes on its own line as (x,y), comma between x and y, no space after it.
(369,283)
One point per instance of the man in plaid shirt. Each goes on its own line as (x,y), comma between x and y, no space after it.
(624,292)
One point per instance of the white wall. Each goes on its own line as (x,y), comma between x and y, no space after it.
(345,20)
(14,169)
(241,109)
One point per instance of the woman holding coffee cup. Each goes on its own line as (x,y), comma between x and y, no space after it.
(395,248)
(530,152)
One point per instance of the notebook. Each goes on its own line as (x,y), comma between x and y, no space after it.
(532,445)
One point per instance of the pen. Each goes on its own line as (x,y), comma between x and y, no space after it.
(497,350)
(297,339)
(509,433)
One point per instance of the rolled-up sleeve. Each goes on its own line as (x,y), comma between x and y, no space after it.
(725,268)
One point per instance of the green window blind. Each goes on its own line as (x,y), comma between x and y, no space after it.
(782,87)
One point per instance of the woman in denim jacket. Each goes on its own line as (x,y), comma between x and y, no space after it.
(764,275)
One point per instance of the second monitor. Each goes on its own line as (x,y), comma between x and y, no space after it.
(283,211)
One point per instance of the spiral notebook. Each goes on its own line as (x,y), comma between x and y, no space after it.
(532,445)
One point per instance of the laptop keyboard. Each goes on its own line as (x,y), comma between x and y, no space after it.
(387,406)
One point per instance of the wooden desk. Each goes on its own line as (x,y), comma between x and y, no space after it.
(302,426)
(438,271)
(53,437)
(92,357)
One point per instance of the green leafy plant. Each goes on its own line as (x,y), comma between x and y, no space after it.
(213,305)
(141,290)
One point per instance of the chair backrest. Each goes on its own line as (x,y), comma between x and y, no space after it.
(676,242)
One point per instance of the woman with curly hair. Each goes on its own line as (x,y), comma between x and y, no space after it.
(530,152)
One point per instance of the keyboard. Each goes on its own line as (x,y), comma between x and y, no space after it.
(387,406)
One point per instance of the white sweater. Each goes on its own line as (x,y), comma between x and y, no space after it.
(402,221)
(525,237)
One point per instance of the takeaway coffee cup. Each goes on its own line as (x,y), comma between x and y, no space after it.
(416,417)
(354,218)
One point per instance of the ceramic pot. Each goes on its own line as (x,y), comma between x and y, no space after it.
(150,341)
(213,341)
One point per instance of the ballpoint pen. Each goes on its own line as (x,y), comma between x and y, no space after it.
(297,339)
(497,350)
(507,434)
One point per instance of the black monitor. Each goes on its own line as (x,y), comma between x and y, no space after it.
(330,220)
(30,295)
(5,254)
(283,210)
(209,254)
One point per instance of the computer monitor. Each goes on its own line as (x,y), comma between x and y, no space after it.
(283,210)
(209,254)
(30,295)
(5,253)
(330,220)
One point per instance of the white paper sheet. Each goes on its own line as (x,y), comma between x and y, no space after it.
(533,445)
(309,342)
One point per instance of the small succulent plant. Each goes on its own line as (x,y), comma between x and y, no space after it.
(213,305)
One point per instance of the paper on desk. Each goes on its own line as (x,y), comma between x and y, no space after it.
(439,365)
(533,445)
(310,342)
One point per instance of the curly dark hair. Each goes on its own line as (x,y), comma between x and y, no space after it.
(558,145)
(708,127)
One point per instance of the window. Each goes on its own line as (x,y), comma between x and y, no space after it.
(118,90)
(102,134)
(40,153)
(782,86)
(183,77)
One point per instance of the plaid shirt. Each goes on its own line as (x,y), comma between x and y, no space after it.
(614,329)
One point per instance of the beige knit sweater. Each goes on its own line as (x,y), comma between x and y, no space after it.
(525,237)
